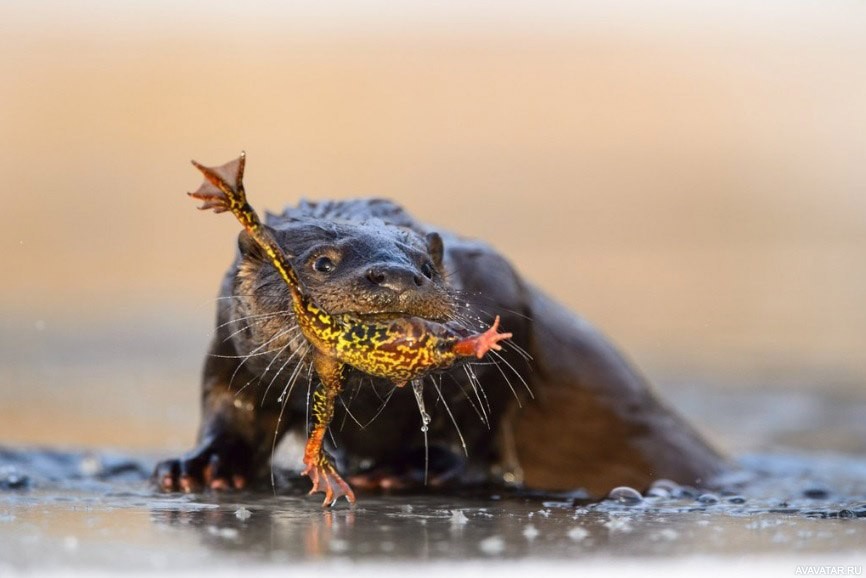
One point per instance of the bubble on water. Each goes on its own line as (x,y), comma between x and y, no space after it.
(578,533)
(243,514)
(736,500)
(658,493)
(530,532)
(492,545)
(625,495)
(669,486)
(708,499)
(847,514)
(406,508)
(458,518)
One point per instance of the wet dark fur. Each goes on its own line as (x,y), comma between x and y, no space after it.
(593,422)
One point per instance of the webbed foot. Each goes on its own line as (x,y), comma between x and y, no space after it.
(326,479)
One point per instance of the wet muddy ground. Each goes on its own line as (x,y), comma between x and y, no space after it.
(88,511)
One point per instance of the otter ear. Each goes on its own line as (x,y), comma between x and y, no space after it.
(249,248)
(436,248)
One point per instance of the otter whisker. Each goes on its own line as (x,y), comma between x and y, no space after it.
(472,295)
(467,397)
(282,367)
(517,349)
(517,373)
(252,353)
(438,389)
(348,412)
(375,389)
(485,419)
(255,352)
(381,408)
(471,370)
(245,318)
(355,391)
(248,326)
(511,387)
(293,379)
(285,400)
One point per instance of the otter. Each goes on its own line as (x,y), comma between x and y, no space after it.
(558,409)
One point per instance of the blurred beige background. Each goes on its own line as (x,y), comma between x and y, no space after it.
(690,176)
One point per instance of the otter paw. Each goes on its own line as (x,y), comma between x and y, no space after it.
(406,473)
(326,479)
(207,466)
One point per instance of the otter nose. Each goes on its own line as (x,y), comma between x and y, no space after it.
(394,277)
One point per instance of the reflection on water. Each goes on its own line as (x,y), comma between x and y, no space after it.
(65,508)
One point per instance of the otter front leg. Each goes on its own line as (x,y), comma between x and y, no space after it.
(235,436)
(318,466)
(228,454)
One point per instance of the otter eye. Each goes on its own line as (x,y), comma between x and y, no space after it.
(427,270)
(324,265)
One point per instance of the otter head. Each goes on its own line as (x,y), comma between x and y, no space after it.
(369,269)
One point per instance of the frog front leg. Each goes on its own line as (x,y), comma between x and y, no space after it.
(319,467)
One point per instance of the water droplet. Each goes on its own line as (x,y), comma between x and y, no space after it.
(458,518)
(530,532)
(625,495)
(424,428)
(708,499)
(243,514)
